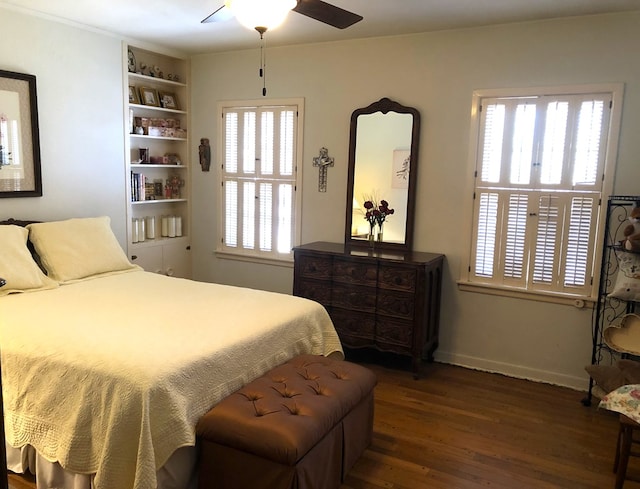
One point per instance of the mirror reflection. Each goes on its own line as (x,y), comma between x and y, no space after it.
(383,151)
(10,156)
(381,173)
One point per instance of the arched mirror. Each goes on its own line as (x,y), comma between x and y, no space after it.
(383,162)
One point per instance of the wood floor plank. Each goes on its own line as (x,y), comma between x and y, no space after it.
(456,428)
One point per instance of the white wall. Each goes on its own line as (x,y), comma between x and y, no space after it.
(435,72)
(79,87)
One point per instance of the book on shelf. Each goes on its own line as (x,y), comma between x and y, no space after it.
(138,190)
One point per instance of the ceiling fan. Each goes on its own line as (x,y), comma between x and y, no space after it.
(263,15)
(315,9)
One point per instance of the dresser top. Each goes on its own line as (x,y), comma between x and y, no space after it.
(378,254)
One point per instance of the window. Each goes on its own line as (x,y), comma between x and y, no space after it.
(260,203)
(542,165)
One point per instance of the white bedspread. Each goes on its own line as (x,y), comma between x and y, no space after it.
(109,376)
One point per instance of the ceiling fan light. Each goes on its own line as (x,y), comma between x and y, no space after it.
(260,13)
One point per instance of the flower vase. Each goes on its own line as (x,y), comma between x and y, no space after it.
(379,237)
(372,236)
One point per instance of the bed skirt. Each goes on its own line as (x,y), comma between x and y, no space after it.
(178,473)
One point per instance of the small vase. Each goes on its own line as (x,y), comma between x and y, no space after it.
(372,237)
(380,233)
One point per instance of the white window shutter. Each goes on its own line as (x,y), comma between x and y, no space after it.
(554,144)
(266,143)
(588,156)
(486,218)
(522,144)
(493,127)
(547,244)
(538,188)
(285,218)
(514,262)
(248,215)
(287,140)
(259,180)
(231,143)
(266,216)
(248,142)
(231,213)
(578,266)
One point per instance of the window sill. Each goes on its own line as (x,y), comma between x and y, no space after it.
(284,262)
(576,301)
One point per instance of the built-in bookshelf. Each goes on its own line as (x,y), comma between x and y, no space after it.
(157,161)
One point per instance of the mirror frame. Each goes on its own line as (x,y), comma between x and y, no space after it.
(384,105)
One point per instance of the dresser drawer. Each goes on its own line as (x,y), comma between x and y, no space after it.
(394,335)
(316,290)
(355,272)
(354,329)
(396,304)
(397,278)
(354,297)
(313,266)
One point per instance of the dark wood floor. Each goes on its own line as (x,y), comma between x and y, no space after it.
(21,482)
(456,428)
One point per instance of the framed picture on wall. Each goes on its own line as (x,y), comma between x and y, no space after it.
(400,168)
(149,96)
(20,174)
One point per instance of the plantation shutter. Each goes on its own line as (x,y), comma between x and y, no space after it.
(538,184)
(258,179)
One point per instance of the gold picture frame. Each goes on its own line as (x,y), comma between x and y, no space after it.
(168,100)
(149,96)
(134,98)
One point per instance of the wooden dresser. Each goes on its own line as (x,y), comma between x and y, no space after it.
(377,299)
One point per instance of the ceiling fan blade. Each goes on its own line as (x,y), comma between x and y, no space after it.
(220,15)
(327,13)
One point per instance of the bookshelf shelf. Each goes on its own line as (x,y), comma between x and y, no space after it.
(157,201)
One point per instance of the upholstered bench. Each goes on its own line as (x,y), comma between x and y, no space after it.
(301,425)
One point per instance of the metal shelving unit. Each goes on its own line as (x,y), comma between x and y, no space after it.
(609,310)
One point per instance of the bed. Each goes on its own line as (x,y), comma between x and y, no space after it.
(106,368)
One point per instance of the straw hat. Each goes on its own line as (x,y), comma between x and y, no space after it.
(624,338)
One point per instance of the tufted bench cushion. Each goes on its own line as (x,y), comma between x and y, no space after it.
(301,425)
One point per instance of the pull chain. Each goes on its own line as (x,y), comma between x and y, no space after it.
(263,59)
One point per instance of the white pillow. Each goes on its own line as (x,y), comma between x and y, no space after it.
(627,287)
(75,249)
(17,266)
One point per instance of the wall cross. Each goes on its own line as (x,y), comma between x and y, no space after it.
(323,161)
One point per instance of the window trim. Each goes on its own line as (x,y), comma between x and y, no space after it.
(610,158)
(247,256)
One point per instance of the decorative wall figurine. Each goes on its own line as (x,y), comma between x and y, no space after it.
(322,161)
(205,154)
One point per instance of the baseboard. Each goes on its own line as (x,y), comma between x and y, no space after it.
(517,371)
